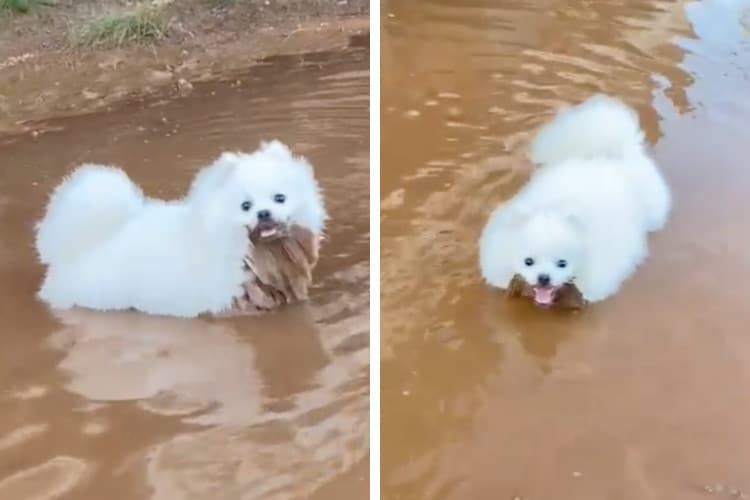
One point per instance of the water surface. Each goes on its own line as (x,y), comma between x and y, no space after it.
(125,406)
(641,397)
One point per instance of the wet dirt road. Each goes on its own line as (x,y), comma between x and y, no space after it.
(124,406)
(642,397)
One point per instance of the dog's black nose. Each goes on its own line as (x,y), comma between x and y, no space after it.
(543,279)
(264,214)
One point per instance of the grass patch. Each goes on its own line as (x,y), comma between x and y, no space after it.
(23,6)
(140,24)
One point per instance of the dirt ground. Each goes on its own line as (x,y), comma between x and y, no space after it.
(45,73)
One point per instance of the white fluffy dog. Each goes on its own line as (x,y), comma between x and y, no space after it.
(108,247)
(584,216)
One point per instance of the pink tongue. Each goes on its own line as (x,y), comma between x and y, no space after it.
(544,295)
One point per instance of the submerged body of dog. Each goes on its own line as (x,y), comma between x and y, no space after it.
(108,247)
(584,216)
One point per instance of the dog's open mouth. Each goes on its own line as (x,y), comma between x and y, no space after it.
(566,296)
(545,295)
(267,231)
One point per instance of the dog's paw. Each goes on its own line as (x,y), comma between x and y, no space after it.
(516,287)
(570,297)
(262,297)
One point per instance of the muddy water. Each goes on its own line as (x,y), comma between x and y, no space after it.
(641,397)
(125,406)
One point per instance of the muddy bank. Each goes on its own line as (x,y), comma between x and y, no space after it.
(45,73)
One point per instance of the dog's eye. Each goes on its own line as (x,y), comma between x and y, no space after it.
(562,263)
(279,198)
(529,262)
(246,206)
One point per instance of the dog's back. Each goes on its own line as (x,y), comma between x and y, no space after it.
(598,127)
(605,131)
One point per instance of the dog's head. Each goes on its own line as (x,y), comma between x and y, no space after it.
(267,191)
(548,254)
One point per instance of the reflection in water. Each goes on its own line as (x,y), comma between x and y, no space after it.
(200,371)
(270,428)
(124,406)
(640,397)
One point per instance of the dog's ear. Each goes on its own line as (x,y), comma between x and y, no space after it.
(228,162)
(215,175)
(228,158)
(226,165)
(276,148)
(281,151)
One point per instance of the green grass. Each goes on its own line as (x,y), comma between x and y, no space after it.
(23,5)
(140,24)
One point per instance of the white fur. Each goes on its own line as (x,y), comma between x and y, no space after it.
(108,247)
(592,201)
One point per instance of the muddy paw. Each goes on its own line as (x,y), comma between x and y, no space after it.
(516,287)
(260,297)
(570,297)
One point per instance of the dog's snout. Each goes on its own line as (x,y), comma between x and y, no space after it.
(264,214)
(543,279)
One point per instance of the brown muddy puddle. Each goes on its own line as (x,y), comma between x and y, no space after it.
(642,397)
(124,406)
